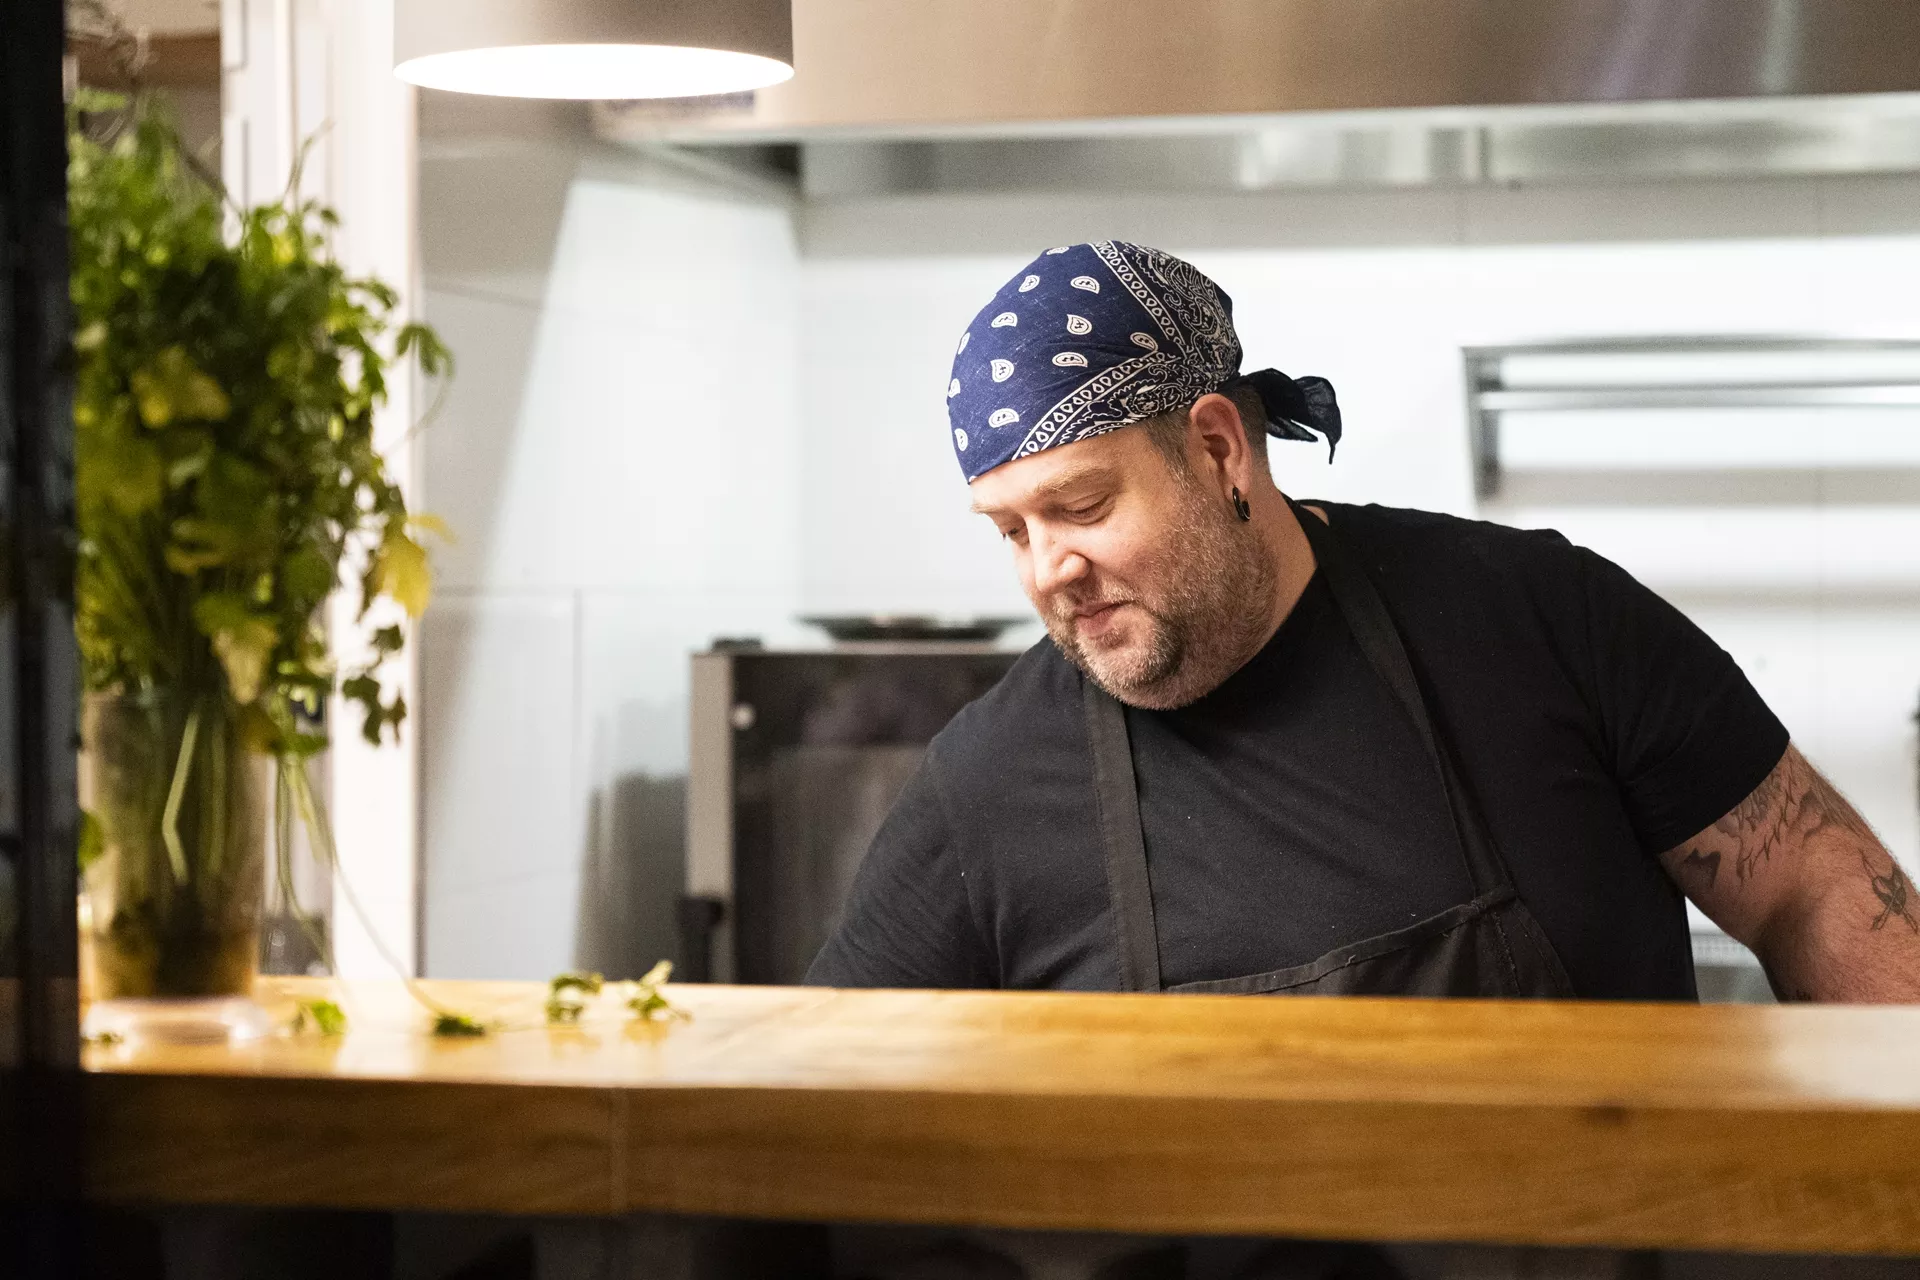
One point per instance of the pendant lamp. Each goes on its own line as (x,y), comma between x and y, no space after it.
(613,49)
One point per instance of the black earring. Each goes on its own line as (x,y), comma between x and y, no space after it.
(1241,507)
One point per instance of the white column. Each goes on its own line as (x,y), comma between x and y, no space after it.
(375,790)
(319,73)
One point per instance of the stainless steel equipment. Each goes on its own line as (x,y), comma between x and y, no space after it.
(795,759)
(948,65)
(1603,376)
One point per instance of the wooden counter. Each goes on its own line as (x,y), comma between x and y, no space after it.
(1727,1127)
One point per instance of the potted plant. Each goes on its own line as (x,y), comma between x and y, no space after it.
(226,375)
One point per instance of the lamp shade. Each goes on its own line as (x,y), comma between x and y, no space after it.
(593,48)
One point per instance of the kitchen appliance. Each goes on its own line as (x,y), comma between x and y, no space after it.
(796,757)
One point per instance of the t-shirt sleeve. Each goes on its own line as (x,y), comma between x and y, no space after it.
(907,921)
(1687,734)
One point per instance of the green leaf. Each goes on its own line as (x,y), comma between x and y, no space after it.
(451,1024)
(119,469)
(364,688)
(305,575)
(235,520)
(171,386)
(427,522)
(243,652)
(648,1002)
(242,640)
(98,101)
(577,980)
(93,840)
(401,571)
(323,1016)
(257,731)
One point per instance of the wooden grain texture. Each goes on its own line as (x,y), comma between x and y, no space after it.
(1632,1125)
(280,1140)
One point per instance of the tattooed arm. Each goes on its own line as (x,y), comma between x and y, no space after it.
(1797,875)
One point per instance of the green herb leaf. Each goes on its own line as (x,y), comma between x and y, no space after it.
(242,641)
(401,571)
(648,1001)
(171,386)
(576,980)
(457,1025)
(323,1016)
(568,994)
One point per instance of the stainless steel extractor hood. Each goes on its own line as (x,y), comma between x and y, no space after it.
(933,68)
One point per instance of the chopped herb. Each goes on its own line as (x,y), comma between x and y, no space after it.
(587,984)
(648,1002)
(449,1023)
(568,993)
(323,1016)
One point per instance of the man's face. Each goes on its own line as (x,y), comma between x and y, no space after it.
(1144,577)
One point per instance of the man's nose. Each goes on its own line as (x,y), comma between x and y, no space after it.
(1055,564)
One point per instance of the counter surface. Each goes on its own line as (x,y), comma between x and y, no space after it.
(1731,1127)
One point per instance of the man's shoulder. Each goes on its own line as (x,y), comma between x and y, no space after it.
(1435,542)
(1025,712)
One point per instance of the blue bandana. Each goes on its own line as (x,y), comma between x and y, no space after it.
(1091,337)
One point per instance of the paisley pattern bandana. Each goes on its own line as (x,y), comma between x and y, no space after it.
(1092,337)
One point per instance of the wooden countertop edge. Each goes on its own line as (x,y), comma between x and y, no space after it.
(1781,1179)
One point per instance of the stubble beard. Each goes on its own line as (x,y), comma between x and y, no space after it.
(1206,603)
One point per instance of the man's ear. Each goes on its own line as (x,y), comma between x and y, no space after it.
(1215,431)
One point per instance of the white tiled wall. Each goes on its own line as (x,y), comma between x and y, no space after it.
(498,680)
(683,412)
(617,460)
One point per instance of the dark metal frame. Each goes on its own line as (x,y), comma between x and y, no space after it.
(39,1047)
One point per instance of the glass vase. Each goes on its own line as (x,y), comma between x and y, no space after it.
(175,862)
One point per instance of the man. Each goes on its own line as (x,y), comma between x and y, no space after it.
(1275,748)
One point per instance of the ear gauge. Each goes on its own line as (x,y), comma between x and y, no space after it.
(1241,507)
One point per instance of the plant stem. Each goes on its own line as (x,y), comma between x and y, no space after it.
(215,815)
(283,815)
(170,819)
(322,833)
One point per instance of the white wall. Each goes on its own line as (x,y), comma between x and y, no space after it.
(618,462)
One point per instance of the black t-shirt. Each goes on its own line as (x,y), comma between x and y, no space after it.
(1293,810)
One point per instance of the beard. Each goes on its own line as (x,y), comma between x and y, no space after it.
(1199,610)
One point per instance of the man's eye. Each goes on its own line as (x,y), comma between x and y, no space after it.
(1092,511)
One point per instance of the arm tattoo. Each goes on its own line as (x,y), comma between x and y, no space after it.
(1895,892)
(1792,807)
(1810,888)
(1759,824)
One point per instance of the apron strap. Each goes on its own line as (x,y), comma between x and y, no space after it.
(1373,628)
(1121,837)
(1115,790)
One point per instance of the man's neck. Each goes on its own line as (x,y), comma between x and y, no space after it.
(1293,561)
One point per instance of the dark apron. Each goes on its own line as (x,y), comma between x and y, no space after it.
(1490,946)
